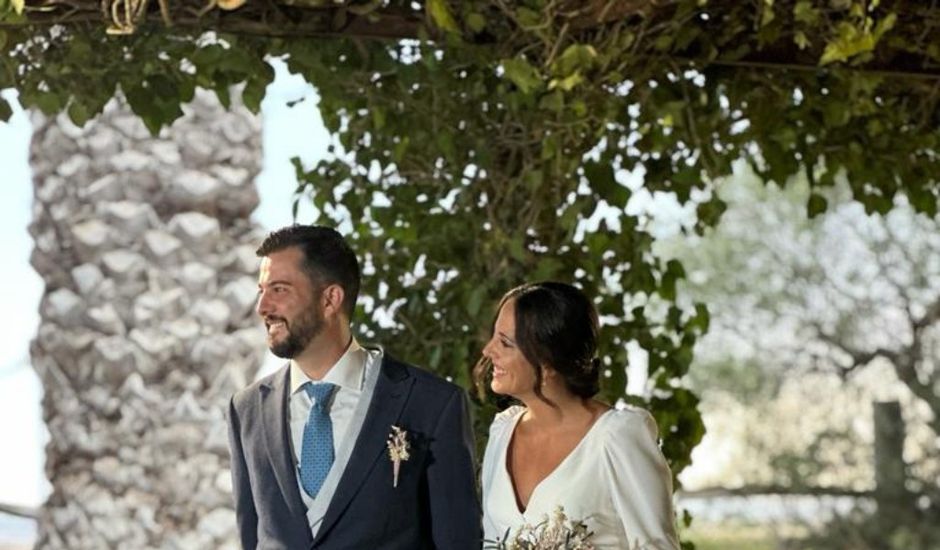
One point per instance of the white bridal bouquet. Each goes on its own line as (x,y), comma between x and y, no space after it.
(555,533)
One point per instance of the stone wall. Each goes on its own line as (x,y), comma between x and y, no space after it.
(147,328)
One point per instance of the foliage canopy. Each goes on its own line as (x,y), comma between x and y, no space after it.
(469,154)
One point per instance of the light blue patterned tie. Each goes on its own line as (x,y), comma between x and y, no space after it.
(316,456)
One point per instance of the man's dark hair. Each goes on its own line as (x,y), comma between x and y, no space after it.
(327,257)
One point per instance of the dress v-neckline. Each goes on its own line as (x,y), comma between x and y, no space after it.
(505,459)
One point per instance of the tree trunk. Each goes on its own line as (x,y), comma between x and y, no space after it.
(891,493)
(147,252)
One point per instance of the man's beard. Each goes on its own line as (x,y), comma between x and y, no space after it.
(299,334)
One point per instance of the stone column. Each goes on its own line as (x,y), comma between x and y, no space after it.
(147,328)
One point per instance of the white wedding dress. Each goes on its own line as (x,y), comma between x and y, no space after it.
(615,479)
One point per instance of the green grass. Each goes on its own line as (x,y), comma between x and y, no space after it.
(732,537)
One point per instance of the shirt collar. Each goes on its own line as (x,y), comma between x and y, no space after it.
(346,373)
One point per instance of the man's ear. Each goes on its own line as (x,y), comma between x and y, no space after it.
(331,299)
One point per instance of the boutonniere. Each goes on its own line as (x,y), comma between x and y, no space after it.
(397,451)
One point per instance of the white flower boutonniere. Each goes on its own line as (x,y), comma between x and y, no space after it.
(397,451)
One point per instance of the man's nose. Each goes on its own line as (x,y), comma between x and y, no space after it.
(262,308)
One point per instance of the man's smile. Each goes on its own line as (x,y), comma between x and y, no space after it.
(275,324)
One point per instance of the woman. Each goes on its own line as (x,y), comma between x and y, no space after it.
(561,447)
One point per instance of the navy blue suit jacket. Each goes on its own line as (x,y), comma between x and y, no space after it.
(435,504)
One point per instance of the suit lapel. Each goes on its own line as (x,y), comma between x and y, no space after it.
(274,399)
(391,392)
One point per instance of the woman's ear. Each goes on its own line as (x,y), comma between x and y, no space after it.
(548,374)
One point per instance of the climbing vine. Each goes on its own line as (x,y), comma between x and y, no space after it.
(474,140)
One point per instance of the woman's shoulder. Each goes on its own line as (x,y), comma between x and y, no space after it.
(504,419)
(629,423)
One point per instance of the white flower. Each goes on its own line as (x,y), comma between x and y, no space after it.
(397,451)
(552,533)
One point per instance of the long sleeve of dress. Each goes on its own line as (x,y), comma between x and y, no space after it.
(640,481)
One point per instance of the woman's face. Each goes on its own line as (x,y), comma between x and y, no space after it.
(512,373)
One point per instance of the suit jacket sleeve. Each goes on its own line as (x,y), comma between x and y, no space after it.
(455,507)
(245,512)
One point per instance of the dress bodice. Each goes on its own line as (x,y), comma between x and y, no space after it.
(615,480)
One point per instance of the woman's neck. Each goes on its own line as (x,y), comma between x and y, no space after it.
(564,408)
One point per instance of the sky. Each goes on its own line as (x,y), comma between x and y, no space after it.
(289,131)
(21,475)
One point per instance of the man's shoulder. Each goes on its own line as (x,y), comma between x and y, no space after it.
(247,394)
(424,379)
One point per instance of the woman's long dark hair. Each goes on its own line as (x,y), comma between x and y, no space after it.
(556,327)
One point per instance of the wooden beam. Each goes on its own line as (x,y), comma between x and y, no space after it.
(773,490)
(293,18)
(19,511)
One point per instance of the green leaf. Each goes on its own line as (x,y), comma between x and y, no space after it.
(700,321)
(852,40)
(522,74)
(567,83)
(476,22)
(804,12)
(616,384)
(398,153)
(767,13)
(517,248)
(435,359)
(223,94)
(576,58)
(579,107)
(18,6)
(923,200)
(476,300)
(799,38)
(48,102)
(5,110)
(663,43)
(554,101)
(534,179)
(601,177)
(547,268)
(674,272)
(885,25)
(442,17)
(708,213)
(817,205)
(78,113)
(378,117)
(528,18)
(256,88)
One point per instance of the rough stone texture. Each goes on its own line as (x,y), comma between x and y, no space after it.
(146,248)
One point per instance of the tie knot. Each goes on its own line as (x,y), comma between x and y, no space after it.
(319,393)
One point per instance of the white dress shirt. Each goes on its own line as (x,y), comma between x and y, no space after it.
(349,375)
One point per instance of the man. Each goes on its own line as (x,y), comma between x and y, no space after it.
(344,447)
